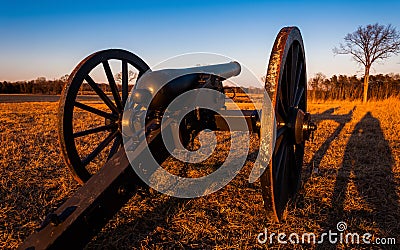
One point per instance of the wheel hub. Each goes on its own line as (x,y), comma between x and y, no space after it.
(302,126)
(115,122)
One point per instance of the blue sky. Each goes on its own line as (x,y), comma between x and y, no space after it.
(48,38)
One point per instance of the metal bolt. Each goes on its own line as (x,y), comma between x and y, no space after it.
(122,191)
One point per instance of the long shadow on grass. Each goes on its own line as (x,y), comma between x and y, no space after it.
(147,224)
(319,154)
(368,163)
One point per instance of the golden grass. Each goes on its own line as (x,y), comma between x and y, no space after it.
(351,173)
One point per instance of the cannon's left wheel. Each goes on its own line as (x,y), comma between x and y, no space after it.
(89,130)
(287,85)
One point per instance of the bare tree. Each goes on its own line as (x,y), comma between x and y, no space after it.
(318,82)
(368,44)
(64,78)
(131,77)
(40,79)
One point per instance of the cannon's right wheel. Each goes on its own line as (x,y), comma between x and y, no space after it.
(90,126)
(287,85)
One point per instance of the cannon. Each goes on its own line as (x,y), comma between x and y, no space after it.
(108,183)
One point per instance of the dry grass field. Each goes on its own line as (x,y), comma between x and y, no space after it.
(351,173)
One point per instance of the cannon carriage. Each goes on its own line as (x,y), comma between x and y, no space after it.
(133,121)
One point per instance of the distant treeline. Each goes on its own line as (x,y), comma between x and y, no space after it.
(344,87)
(47,87)
(53,87)
(320,87)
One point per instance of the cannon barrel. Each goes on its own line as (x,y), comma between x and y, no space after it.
(224,70)
(164,85)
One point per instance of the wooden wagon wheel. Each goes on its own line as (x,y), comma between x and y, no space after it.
(286,82)
(109,116)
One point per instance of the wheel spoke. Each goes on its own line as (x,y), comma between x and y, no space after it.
(279,141)
(299,70)
(281,158)
(99,148)
(101,94)
(124,82)
(292,167)
(282,107)
(115,146)
(298,149)
(281,131)
(95,111)
(286,84)
(293,67)
(300,146)
(113,85)
(291,154)
(299,94)
(279,117)
(279,148)
(94,130)
(283,173)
